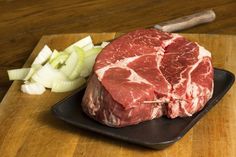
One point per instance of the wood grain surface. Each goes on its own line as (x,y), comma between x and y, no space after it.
(23,22)
(29,129)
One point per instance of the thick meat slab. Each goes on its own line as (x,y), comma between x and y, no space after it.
(146,74)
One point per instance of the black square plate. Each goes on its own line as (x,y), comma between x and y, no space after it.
(158,133)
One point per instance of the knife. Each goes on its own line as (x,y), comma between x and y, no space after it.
(182,23)
(188,21)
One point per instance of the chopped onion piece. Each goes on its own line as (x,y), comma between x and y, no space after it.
(55,53)
(47,75)
(32,70)
(65,86)
(36,66)
(104,44)
(80,63)
(88,66)
(70,63)
(33,88)
(43,55)
(18,74)
(59,60)
(88,47)
(81,43)
(97,46)
(92,52)
(89,61)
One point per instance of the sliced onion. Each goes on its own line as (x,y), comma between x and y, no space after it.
(47,75)
(59,60)
(33,88)
(81,43)
(43,55)
(70,63)
(33,69)
(64,71)
(88,47)
(92,52)
(55,53)
(65,86)
(97,46)
(89,61)
(104,44)
(18,74)
(80,64)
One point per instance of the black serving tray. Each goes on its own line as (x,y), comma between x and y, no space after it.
(158,133)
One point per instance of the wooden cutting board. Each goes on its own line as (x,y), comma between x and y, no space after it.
(28,128)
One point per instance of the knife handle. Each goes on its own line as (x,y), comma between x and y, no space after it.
(187,21)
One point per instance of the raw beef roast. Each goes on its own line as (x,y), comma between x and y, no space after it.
(146,74)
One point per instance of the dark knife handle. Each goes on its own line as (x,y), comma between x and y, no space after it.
(187,21)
